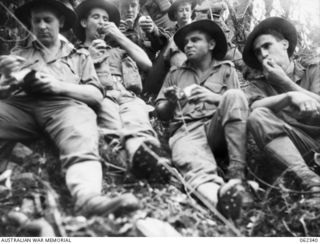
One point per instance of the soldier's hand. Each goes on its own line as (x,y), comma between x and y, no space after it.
(274,73)
(97,49)
(44,84)
(10,63)
(98,44)
(123,26)
(111,30)
(147,24)
(202,94)
(307,106)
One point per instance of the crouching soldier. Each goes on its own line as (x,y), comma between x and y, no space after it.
(285,100)
(123,115)
(208,114)
(57,97)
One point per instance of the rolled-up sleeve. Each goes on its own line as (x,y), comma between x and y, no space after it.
(311,80)
(231,78)
(253,93)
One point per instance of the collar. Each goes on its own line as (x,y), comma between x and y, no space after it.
(66,47)
(214,64)
(298,71)
(212,68)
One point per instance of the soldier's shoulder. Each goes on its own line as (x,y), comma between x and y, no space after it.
(225,63)
(176,70)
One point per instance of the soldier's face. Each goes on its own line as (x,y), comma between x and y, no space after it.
(45,25)
(183,14)
(96,20)
(198,45)
(269,47)
(129,9)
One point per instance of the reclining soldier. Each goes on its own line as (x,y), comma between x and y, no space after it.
(208,114)
(141,29)
(58,99)
(123,116)
(285,100)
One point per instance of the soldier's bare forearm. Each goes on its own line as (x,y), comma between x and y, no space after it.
(275,103)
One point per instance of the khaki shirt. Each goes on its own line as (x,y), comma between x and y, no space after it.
(70,65)
(116,70)
(151,43)
(221,77)
(308,78)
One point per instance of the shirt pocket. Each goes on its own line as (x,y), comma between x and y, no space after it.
(216,87)
(104,75)
(67,72)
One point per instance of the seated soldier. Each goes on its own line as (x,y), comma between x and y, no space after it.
(141,29)
(181,12)
(285,100)
(207,113)
(170,56)
(123,115)
(57,97)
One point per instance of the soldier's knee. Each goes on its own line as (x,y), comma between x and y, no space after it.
(235,96)
(257,118)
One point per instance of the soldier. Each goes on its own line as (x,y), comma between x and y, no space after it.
(58,97)
(141,29)
(207,113)
(170,56)
(181,12)
(123,115)
(285,100)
